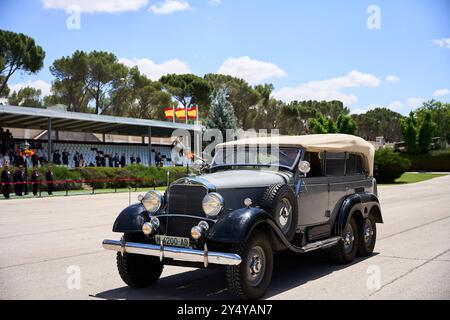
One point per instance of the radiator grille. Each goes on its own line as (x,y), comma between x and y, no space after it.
(186,199)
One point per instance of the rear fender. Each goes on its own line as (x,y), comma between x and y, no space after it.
(359,205)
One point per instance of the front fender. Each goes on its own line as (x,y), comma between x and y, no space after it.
(234,226)
(131,219)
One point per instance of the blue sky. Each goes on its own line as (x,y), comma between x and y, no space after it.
(307,49)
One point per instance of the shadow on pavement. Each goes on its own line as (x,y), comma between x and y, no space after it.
(290,271)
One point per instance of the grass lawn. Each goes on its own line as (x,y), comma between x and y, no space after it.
(415,177)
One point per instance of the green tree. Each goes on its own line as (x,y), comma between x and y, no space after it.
(409,133)
(425,136)
(440,115)
(379,122)
(346,124)
(189,90)
(242,96)
(84,78)
(18,52)
(221,113)
(147,98)
(106,77)
(26,97)
(320,124)
(71,82)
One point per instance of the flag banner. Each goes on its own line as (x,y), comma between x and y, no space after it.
(192,113)
(181,113)
(169,113)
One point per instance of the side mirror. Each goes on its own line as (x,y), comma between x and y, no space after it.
(304,167)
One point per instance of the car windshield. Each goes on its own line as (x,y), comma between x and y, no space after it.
(266,156)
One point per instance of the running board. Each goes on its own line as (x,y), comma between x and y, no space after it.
(322,244)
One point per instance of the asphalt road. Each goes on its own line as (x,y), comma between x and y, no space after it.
(46,243)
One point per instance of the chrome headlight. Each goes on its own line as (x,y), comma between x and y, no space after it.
(212,204)
(152,201)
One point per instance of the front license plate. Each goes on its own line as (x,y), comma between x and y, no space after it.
(172,241)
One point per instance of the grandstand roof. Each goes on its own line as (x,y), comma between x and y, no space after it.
(37,118)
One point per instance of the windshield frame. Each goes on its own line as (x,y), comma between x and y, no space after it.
(279,166)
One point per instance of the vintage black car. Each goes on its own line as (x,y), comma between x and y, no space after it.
(262,195)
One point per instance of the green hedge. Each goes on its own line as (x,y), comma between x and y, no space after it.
(152,176)
(434,161)
(389,165)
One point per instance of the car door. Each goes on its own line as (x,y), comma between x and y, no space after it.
(313,197)
(337,180)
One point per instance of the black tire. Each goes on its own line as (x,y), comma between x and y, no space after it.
(367,236)
(345,251)
(274,202)
(250,280)
(138,271)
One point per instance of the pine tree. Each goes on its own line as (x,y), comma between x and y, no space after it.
(221,113)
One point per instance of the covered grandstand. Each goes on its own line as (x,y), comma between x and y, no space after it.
(56,120)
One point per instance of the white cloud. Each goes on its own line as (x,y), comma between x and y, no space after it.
(392,78)
(329,89)
(93,6)
(38,84)
(169,6)
(441,93)
(396,105)
(215,2)
(443,43)
(415,102)
(251,70)
(155,71)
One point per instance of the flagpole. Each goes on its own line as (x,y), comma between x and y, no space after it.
(173,108)
(198,111)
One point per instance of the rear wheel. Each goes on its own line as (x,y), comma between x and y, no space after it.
(138,271)
(252,277)
(367,236)
(345,250)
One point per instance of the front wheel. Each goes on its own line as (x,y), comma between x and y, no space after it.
(138,271)
(252,277)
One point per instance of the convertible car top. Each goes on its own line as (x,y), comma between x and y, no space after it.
(316,143)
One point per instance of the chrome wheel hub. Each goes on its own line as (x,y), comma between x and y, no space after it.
(256,265)
(349,238)
(368,232)
(285,214)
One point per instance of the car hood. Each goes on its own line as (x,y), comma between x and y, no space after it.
(243,179)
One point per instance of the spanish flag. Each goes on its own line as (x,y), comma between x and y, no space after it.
(169,113)
(29,152)
(192,113)
(181,113)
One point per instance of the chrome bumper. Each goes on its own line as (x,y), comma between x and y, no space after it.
(178,254)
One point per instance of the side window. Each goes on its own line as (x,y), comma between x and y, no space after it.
(335,164)
(317,164)
(354,164)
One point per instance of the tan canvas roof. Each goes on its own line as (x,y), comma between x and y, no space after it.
(317,143)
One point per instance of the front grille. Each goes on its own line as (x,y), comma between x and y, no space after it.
(186,199)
